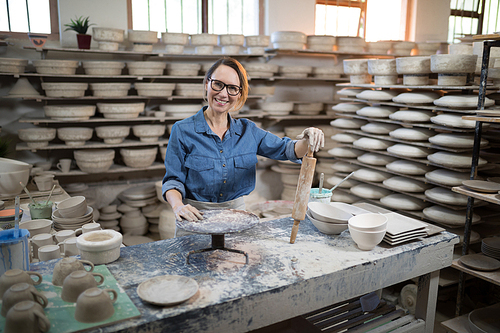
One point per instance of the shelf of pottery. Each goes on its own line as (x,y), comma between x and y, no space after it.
(407,144)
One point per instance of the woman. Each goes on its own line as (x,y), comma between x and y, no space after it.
(211,157)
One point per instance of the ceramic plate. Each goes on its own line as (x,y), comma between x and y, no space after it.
(167,289)
(482,186)
(480,262)
(398,225)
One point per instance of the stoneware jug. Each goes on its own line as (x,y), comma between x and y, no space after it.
(13,276)
(66,266)
(95,305)
(77,282)
(21,292)
(26,316)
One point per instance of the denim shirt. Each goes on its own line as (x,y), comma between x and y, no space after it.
(203,167)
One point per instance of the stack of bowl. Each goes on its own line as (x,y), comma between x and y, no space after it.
(326,218)
(12,65)
(37,137)
(72,213)
(112,134)
(142,40)
(367,230)
(74,136)
(11,173)
(134,223)
(257,69)
(152,213)
(231,44)
(94,160)
(257,44)
(203,43)
(108,218)
(174,42)
(109,38)
(137,196)
(148,133)
(288,40)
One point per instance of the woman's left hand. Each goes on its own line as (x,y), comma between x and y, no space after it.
(314,136)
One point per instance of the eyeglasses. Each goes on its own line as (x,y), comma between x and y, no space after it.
(232,90)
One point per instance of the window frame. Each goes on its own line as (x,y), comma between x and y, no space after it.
(54,25)
(349,3)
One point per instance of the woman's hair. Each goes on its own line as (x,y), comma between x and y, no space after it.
(242,75)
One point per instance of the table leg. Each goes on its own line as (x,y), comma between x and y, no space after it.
(427,299)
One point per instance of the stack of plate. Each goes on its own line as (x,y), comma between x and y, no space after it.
(139,196)
(491,247)
(75,188)
(481,186)
(291,169)
(108,218)
(401,229)
(71,223)
(152,214)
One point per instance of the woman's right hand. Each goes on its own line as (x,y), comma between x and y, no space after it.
(187,212)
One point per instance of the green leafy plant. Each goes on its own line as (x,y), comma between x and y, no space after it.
(79,24)
(4,147)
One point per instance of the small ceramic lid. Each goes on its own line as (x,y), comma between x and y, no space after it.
(377,95)
(453,140)
(344,167)
(445,196)
(412,134)
(375,159)
(447,177)
(462,101)
(372,144)
(350,92)
(345,152)
(448,216)
(408,167)
(453,120)
(371,175)
(405,184)
(403,202)
(409,151)
(423,97)
(376,111)
(345,137)
(378,128)
(368,191)
(348,107)
(412,116)
(455,160)
(347,123)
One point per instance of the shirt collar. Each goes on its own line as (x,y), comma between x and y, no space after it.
(201,125)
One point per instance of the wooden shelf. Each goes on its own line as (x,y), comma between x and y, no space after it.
(126,76)
(493,277)
(325,53)
(484,119)
(493,198)
(400,86)
(430,126)
(457,324)
(93,144)
(129,97)
(487,37)
(115,168)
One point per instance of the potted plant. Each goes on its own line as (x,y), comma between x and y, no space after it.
(80,25)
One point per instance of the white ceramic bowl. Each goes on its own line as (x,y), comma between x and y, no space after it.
(327,213)
(73,207)
(74,136)
(69,112)
(139,157)
(35,227)
(8,165)
(325,227)
(37,137)
(366,240)
(9,181)
(369,222)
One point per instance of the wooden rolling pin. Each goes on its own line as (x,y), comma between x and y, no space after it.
(303,190)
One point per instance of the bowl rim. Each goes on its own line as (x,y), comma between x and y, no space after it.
(353,221)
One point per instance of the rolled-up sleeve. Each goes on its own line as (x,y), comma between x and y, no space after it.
(175,175)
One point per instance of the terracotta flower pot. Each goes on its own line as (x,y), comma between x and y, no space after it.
(83,41)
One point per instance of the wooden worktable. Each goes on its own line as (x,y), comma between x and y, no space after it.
(281,281)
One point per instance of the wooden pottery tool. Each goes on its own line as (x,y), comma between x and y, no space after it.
(303,190)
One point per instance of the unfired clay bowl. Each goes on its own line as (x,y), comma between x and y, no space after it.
(112,134)
(64,89)
(100,247)
(139,157)
(69,112)
(148,133)
(49,66)
(37,137)
(108,34)
(103,67)
(74,136)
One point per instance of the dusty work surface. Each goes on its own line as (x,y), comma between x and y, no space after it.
(281,281)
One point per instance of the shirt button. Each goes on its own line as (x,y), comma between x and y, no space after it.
(224,182)
(221,151)
(220,194)
(224,165)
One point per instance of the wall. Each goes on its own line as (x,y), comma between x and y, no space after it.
(430,20)
(291,15)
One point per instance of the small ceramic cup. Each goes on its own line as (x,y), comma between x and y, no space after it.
(64,234)
(40,240)
(13,276)
(68,247)
(41,210)
(95,305)
(64,165)
(26,316)
(77,282)
(88,227)
(66,266)
(21,292)
(49,252)
(44,182)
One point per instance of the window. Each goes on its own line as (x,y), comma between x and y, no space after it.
(373,20)
(470,17)
(17,17)
(196,16)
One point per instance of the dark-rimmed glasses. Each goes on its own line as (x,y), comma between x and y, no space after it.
(231,89)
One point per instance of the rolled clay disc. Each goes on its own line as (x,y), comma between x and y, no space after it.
(405,184)
(412,134)
(348,107)
(416,98)
(453,120)
(370,175)
(462,101)
(344,167)
(455,160)
(403,202)
(348,123)
(448,216)
(375,159)
(350,92)
(378,128)
(447,177)
(445,196)
(368,191)
(412,116)
(377,111)
(408,151)
(345,137)
(377,95)
(372,144)
(345,152)
(453,140)
(408,167)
